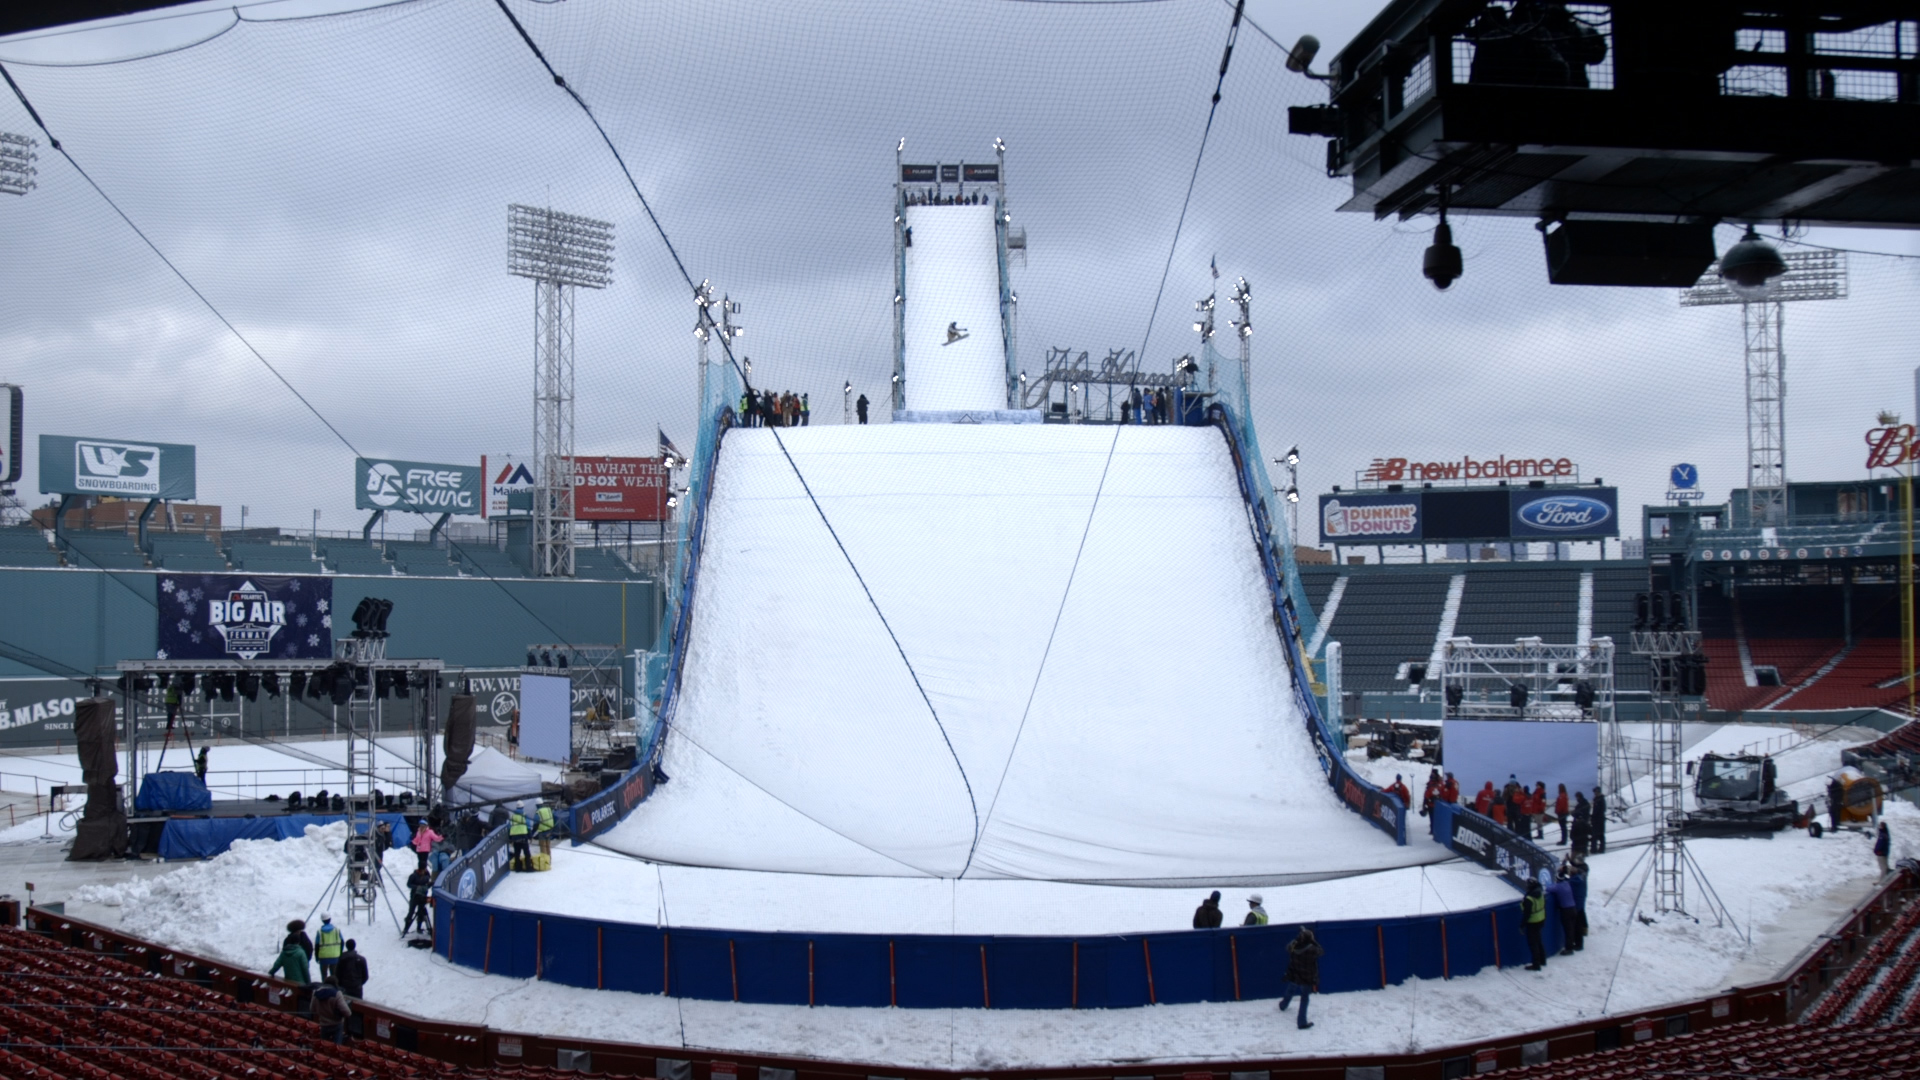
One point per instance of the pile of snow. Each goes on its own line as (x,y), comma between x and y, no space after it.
(1138,727)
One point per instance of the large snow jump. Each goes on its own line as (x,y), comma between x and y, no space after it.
(1139,725)
(955,355)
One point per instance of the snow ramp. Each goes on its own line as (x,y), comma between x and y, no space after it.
(1138,725)
(952,279)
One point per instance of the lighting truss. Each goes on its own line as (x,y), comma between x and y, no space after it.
(1485,676)
(16,163)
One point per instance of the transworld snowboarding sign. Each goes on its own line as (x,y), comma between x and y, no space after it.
(245,617)
(124,468)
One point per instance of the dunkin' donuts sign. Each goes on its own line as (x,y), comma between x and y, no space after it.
(1349,517)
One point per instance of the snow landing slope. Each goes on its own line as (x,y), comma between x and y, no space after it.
(1158,742)
(953,277)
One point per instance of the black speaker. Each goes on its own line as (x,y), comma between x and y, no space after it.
(1416,673)
(1517,695)
(1455,695)
(1642,611)
(1583,695)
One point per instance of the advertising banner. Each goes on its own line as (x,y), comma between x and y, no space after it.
(12,420)
(38,712)
(482,868)
(1351,517)
(245,617)
(601,812)
(1574,514)
(71,465)
(418,486)
(1491,845)
(506,475)
(619,489)
(546,717)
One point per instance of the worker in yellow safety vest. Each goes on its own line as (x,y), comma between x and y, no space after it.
(327,946)
(520,858)
(543,829)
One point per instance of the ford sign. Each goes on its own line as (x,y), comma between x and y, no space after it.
(1565,514)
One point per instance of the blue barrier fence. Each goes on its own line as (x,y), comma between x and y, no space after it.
(922,971)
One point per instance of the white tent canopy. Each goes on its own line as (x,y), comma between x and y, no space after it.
(492,776)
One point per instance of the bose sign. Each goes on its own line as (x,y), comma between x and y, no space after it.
(387,484)
(123,468)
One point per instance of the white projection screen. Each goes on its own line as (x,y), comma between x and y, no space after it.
(1556,751)
(546,717)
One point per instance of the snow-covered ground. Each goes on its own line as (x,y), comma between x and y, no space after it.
(604,885)
(953,276)
(1783,892)
(1139,726)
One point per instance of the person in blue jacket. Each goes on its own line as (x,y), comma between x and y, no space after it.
(1563,900)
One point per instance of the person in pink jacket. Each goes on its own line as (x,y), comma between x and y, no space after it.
(423,840)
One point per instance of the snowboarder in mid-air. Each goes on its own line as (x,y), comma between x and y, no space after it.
(955,332)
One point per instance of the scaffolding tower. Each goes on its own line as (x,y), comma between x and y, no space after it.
(1663,650)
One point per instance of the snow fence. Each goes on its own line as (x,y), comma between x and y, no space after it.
(960,971)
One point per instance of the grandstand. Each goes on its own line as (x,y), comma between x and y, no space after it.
(103,549)
(187,553)
(421,559)
(26,547)
(70,1014)
(270,558)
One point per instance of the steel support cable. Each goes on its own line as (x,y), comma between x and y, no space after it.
(1233,32)
(746,383)
(242,338)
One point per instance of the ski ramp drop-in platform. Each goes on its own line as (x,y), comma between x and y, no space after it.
(953,278)
(1137,726)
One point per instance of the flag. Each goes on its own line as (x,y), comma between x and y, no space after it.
(1214,265)
(667,449)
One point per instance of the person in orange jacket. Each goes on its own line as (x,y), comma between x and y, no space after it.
(1484,801)
(1450,791)
(1399,789)
(1537,810)
(1431,793)
(1560,811)
(1499,813)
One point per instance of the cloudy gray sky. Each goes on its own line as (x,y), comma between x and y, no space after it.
(338,186)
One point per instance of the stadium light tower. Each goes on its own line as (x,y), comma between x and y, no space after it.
(1762,281)
(16,163)
(560,252)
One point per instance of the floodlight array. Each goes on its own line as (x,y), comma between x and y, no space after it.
(563,249)
(1811,275)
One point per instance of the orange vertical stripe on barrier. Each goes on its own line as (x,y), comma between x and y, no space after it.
(1076,974)
(893,978)
(733,965)
(1446,971)
(986,996)
(539,946)
(1233,946)
(486,961)
(600,958)
(1380,934)
(1148,952)
(809,974)
(1494,918)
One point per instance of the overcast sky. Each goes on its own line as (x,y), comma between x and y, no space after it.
(338,187)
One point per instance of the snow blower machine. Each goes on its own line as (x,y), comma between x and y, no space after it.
(1735,795)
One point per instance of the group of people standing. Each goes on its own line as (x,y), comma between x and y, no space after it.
(1148,407)
(770,409)
(1303,952)
(1568,893)
(343,973)
(1583,822)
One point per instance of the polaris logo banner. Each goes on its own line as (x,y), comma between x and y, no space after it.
(70,465)
(1590,513)
(416,486)
(603,811)
(244,617)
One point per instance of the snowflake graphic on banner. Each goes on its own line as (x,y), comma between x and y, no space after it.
(243,616)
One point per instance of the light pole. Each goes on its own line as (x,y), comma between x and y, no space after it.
(1292,464)
(316,532)
(846,403)
(560,253)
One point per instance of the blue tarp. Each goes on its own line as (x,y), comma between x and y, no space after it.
(203,838)
(162,792)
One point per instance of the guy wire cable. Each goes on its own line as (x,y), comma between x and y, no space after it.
(746,383)
(1233,32)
